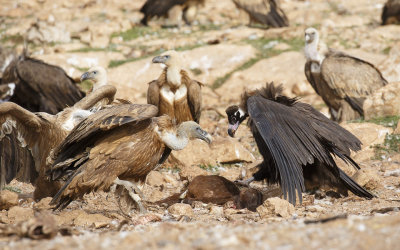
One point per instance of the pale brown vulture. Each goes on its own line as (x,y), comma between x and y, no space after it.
(98,75)
(391,12)
(26,139)
(174,93)
(343,81)
(266,12)
(117,144)
(297,143)
(40,87)
(176,9)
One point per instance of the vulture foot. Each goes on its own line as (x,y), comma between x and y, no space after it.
(134,192)
(245,183)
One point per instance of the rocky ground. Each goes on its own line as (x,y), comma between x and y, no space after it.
(227,56)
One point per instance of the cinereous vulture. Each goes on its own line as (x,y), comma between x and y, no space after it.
(26,139)
(391,12)
(116,145)
(296,141)
(175,9)
(267,12)
(174,93)
(343,81)
(40,87)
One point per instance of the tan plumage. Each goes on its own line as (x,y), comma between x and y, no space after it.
(119,142)
(174,93)
(266,12)
(26,139)
(343,81)
(391,12)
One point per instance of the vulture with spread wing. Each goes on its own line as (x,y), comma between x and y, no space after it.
(116,145)
(26,139)
(40,87)
(391,12)
(267,12)
(174,93)
(343,81)
(296,141)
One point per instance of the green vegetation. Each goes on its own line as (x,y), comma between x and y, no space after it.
(16,39)
(135,32)
(209,167)
(196,71)
(85,85)
(387,121)
(386,50)
(390,146)
(111,48)
(13,189)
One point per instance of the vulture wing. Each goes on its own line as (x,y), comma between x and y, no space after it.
(158,8)
(194,99)
(309,76)
(98,98)
(153,93)
(391,12)
(264,11)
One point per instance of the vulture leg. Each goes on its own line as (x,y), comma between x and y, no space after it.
(246,182)
(134,192)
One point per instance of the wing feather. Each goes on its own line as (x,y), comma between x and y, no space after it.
(153,93)
(194,99)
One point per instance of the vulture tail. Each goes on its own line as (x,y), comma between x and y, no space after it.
(353,186)
(60,201)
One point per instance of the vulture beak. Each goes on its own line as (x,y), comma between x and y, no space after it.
(232,129)
(160,59)
(307,37)
(85,76)
(203,135)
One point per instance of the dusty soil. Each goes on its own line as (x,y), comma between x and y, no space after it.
(227,56)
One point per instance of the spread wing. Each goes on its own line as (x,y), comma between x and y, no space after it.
(194,99)
(89,130)
(292,138)
(264,11)
(20,139)
(98,98)
(153,93)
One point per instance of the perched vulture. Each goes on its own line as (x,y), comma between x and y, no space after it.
(296,141)
(119,143)
(174,93)
(343,81)
(266,12)
(98,75)
(391,12)
(174,9)
(40,87)
(26,139)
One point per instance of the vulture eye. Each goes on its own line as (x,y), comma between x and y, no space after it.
(95,72)
(167,56)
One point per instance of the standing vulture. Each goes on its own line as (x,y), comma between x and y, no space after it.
(343,81)
(267,12)
(391,12)
(26,139)
(117,144)
(296,141)
(174,93)
(40,87)
(175,9)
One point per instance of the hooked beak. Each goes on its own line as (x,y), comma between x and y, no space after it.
(205,137)
(85,76)
(232,129)
(159,59)
(307,38)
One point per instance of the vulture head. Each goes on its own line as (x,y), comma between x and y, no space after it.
(235,117)
(192,130)
(97,74)
(311,35)
(170,58)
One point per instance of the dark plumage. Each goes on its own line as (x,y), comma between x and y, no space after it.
(296,141)
(40,87)
(391,12)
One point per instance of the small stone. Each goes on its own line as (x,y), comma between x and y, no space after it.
(180,209)
(155,179)
(43,204)
(216,210)
(8,199)
(367,178)
(275,207)
(96,220)
(17,214)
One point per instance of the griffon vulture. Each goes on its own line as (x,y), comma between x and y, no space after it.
(26,139)
(116,144)
(296,141)
(174,93)
(266,12)
(343,81)
(40,87)
(391,12)
(175,9)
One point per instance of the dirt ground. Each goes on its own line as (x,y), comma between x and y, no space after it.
(228,56)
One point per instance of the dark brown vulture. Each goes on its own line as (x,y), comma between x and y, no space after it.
(116,145)
(176,9)
(391,12)
(174,93)
(26,139)
(40,87)
(267,12)
(343,81)
(296,141)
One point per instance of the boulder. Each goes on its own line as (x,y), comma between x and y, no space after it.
(17,214)
(8,199)
(384,102)
(367,178)
(180,209)
(44,32)
(275,207)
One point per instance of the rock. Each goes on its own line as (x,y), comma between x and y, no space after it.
(147,218)
(216,210)
(384,102)
(17,214)
(8,199)
(367,178)
(391,65)
(42,226)
(302,89)
(155,178)
(42,31)
(92,220)
(43,204)
(249,198)
(275,207)
(180,209)
(397,130)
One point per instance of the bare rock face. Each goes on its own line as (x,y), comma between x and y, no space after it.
(180,209)
(367,178)
(384,102)
(42,31)
(8,199)
(275,207)
(391,65)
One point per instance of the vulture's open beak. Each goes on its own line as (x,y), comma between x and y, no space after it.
(232,129)
(160,59)
(85,76)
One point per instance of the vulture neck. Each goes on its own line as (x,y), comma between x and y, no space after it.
(99,83)
(174,76)
(175,141)
(311,51)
